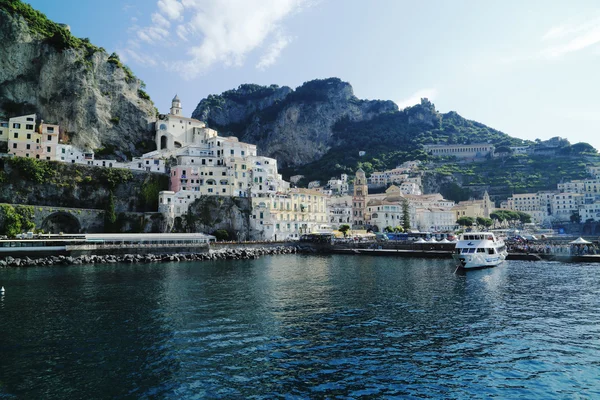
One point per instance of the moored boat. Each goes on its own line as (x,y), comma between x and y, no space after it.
(479,250)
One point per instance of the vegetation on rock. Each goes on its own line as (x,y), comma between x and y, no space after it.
(15,220)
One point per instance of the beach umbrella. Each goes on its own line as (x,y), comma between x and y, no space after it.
(580,240)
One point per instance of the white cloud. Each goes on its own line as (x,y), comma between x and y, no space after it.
(141,58)
(218,31)
(173,9)
(571,37)
(161,21)
(416,97)
(273,52)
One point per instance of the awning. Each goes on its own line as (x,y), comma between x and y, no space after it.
(580,240)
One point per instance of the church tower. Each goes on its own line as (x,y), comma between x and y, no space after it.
(359,199)
(176,106)
(488,208)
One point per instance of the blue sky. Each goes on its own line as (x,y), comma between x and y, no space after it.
(528,68)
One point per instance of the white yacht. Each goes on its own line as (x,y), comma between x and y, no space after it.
(479,250)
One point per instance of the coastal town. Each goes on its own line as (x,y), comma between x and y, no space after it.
(199,163)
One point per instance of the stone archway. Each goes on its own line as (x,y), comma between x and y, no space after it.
(61,222)
(163,142)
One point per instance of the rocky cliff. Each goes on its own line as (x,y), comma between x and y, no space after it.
(45,183)
(294,126)
(212,213)
(94,98)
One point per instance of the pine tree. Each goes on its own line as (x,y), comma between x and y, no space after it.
(110,217)
(405,216)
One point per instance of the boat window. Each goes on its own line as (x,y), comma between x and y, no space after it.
(457,251)
(465,251)
(481,250)
(491,251)
(471,250)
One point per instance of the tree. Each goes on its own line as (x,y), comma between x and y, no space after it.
(465,221)
(221,234)
(344,229)
(487,222)
(388,229)
(575,217)
(405,216)
(110,217)
(524,217)
(10,222)
(398,229)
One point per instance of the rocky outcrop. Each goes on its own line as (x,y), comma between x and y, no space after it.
(44,183)
(95,99)
(213,213)
(293,126)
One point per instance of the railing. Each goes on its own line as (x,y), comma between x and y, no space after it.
(97,246)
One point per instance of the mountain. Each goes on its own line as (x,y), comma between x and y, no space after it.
(96,100)
(319,128)
(294,126)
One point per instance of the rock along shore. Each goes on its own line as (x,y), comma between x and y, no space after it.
(213,255)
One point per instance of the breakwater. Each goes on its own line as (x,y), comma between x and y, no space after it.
(229,253)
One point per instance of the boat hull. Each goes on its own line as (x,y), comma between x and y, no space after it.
(476,261)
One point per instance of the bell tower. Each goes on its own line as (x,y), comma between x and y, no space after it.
(359,199)
(176,106)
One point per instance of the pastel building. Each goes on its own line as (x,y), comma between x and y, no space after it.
(22,136)
(286,216)
(49,141)
(3,131)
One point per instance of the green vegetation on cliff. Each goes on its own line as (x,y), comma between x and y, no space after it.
(55,34)
(15,220)
(391,138)
(53,183)
(59,36)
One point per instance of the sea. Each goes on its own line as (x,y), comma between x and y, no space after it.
(301,327)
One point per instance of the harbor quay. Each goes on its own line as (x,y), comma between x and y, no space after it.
(135,252)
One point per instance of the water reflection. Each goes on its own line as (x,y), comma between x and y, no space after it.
(300,326)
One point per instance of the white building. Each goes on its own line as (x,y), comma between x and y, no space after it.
(287,216)
(565,204)
(340,211)
(71,154)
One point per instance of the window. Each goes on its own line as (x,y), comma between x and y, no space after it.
(16,135)
(49,138)
(63,151)
(28,147)
(14,145)
(29,127)
(29,136)
(48,149)
(17,126)
(231,152)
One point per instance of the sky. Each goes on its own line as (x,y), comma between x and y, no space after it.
(527,68)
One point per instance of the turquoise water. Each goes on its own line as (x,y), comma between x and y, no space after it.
(301,327)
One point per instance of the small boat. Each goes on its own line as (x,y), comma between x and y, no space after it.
(479,250)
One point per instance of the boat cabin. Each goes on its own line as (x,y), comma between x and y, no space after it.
(478,236)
